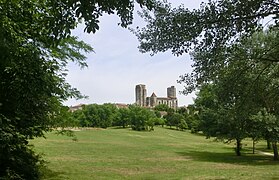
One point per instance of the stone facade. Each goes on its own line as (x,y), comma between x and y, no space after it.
(153,100)
(140,95)
(76,107)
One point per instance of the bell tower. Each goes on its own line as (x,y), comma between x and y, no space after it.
(140,95)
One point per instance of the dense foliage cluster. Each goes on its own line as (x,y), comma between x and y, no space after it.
(138,118)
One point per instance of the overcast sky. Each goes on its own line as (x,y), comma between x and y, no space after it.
(117,66)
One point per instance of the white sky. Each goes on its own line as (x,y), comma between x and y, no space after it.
(117,66)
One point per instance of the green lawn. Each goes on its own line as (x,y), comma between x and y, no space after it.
(161,154)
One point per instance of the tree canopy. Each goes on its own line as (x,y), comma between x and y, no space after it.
(215,24)
(209,33)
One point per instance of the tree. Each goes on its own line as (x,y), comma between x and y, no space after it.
(123,118)
(162,107)
(35,45)
(177,120)
(80,117)
(95,115)
(64,118)
(159,121)
(108,112)
(227,119)
(32,90)
(255,77)
(268,128)
(191,117)
(141,118)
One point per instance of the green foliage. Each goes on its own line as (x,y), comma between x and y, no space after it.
(266,125)
(193,122)
(157,113)
(123,118)
(141,118)
(95,115)
(191,117)
(211,27)
(64,118)
(17,159)
(225,120)
(91,12)
(32,89)
(79,116)
(32,72)
(107,115)
(182,125)
(159,121)
(162,107)
(177,120)
(211,33)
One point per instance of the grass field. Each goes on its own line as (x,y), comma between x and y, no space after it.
(161,154)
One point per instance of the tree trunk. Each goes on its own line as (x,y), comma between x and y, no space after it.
(238,147)
(268,144)
(275,151)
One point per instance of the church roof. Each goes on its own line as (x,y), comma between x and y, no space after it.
(153,95)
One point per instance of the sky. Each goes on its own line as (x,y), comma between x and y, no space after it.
(117,66)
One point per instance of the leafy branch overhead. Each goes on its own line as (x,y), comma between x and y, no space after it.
(211,34)
(214,25)
(90,11)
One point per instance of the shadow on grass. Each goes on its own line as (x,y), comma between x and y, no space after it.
(118,127)
(199,133)
(47,173)
(244,159)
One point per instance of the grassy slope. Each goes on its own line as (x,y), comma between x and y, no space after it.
(162,154)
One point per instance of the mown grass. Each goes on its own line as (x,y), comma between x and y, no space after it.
(160,154)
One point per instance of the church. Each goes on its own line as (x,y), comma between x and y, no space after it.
(152,101)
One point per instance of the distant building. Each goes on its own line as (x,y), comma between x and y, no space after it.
(140,95)
(153,100)
(121,105)
(76,107)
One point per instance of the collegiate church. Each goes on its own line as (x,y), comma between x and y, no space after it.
(153,100)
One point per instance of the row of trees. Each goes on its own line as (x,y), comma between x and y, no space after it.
(234,47)
(138,118)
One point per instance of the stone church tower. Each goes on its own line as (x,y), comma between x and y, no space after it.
(140,95)
(171,92)
(153,100)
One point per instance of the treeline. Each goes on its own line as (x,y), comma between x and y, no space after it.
(135,117)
